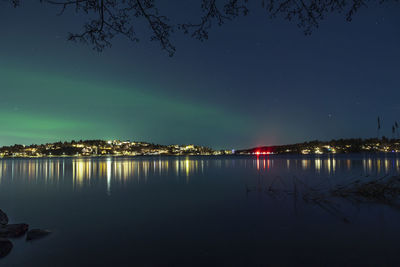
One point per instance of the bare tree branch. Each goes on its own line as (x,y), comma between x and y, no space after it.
(109,18)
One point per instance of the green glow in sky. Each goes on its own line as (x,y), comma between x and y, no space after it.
(248,85)
(42,106)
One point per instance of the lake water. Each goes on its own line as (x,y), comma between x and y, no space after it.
(185,211)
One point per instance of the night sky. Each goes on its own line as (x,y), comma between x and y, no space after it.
(256,81)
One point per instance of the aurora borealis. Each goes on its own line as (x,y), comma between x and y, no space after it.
(255,82)
(69,109)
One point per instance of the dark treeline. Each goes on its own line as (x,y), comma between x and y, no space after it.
(352,145)
(101,147)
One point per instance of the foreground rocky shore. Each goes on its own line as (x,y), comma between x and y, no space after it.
(8,231)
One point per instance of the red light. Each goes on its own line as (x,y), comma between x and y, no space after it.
(257,152)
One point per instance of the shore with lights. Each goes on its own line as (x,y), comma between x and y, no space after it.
(100,148)
(339,146)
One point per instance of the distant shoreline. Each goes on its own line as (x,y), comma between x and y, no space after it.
(191,155)
(116,148)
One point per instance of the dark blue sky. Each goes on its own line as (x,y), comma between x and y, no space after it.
(256,81)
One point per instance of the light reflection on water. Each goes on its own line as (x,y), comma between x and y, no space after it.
(329,165)
(82,171)
(195,210)
(117,171)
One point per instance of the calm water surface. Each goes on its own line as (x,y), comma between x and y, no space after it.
(182,211)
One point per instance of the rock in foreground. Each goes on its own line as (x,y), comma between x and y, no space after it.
(36,234)
(3,218)
(13,230)
(5,247)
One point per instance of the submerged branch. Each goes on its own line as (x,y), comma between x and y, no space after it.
(384,190)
